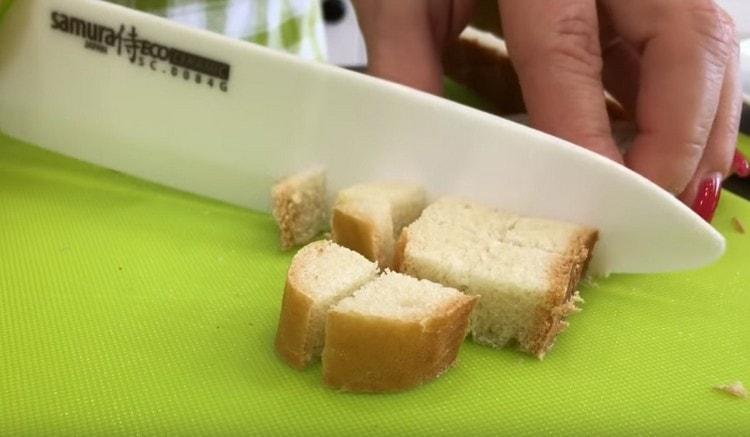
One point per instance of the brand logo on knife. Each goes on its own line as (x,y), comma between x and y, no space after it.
(126,41)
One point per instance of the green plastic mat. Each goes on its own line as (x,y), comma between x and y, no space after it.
(128,308)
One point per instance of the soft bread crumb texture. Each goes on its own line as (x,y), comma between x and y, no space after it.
(400,297)
(321,274)
(325,270)
(394,333)
(526,270)
(299,207)
(406,200)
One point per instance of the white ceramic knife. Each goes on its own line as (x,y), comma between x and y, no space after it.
(225,119)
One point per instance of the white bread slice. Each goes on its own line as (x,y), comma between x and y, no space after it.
(525,270)
(321,274)
(394,333)
(369,217)
(299,207)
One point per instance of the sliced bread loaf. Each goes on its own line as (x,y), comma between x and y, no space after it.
(394,333)
(369,217)
(525,270)
(321,274)
(299,207)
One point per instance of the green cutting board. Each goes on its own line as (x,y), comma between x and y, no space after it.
(129,308)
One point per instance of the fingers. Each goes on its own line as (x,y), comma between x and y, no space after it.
(554,46)
(460,13)
(720,147)
(400,43)
(621,72)
(685,45)
(405,39)
(622,65)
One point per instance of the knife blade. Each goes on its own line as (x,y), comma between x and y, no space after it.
(225,119)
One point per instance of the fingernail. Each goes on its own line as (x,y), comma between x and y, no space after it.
(707,200)
(740,165)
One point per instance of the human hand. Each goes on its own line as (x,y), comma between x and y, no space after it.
(672,64)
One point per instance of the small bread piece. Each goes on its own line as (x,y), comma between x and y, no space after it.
(738,225)
(321,274)
(394,333)
(368,218)
(525,270)
(735,389)
(299,207)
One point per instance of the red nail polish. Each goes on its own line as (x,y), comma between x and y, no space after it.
(740,165)
(707,199)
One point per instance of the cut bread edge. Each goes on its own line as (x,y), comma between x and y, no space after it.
(563,295)
(559,302)
(299,206)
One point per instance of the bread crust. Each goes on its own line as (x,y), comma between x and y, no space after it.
(292,335)
(585,241)
(399,251)
(374,354)
(357,232)
(551,313)
(562,296)
(299,335)
(300,214)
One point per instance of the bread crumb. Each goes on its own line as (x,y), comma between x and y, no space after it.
(738,226)
(590,282)
(299,207)
(735,389)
